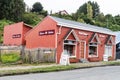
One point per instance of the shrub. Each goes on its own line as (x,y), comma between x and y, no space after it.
(10,57)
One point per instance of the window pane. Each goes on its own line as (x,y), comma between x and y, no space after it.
(93,50)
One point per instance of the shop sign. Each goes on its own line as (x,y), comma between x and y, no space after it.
(46,32)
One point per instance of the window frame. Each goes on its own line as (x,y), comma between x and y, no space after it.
(96,45)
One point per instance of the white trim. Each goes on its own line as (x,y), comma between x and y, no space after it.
(74,34)
(74,51)
(111,39)
(89,49)
(96,38)
(59,32)
(60,29)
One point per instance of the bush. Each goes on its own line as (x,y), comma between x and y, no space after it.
(10,57)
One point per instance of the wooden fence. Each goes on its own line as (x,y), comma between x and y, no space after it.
(31,55)
(39,55)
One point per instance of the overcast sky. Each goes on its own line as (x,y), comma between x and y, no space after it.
(106,6)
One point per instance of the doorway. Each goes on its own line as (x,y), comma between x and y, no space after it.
(82,49)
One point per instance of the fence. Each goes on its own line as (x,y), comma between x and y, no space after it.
(39,55)
(30,55)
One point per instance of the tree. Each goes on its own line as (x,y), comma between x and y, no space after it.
(84,8)
(89,11)
(12,9)
(37,7)
(31,18)
(95,8)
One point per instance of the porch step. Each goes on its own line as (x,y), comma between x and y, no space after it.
(82,60)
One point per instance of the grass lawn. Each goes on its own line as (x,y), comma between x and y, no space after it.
(10,57)
(57,68)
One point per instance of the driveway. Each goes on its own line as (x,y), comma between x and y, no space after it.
(97,73)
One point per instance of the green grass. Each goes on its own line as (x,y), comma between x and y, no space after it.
(36,70)
(57,68)
(10,57)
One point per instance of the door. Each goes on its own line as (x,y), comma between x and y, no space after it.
(108,50)
(82,49)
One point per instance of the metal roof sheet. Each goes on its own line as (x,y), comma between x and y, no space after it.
(82,26)
(117,36)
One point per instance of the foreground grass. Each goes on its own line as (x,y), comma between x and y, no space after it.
(58,68)
(10,57)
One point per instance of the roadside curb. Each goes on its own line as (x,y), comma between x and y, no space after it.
(57,68)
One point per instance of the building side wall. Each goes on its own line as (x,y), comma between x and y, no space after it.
(34,40)
(25,30)
(11,30)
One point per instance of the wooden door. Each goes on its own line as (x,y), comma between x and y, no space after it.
(82,49)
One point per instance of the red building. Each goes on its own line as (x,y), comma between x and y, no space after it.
(78,40)
(14,34)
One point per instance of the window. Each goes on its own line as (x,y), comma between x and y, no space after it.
(93,49)
(69,50)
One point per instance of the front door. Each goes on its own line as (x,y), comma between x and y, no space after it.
(82,49)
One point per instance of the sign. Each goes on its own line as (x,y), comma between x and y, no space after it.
(102,36)
(46,32)
(64,60)
(16,36)
(83,33)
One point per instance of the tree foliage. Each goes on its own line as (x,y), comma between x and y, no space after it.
(12,9)
(32,18)
(37,7)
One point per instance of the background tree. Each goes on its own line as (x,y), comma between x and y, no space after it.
(37,7)
(95,8)
(89,11)
(32,18)
(12,9)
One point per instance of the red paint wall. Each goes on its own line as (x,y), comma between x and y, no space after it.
(34,40)
(86,38)
(17,28)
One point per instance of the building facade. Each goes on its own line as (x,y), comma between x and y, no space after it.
(78,40)
(14,34)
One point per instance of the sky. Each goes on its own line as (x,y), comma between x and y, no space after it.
(71,6)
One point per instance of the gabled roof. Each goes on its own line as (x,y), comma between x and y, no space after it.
(69,32)
(82,26)
(109,38)
(94,36)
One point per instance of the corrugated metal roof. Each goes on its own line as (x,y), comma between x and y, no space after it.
(82,26)
(117,36)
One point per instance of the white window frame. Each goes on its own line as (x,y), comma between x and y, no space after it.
(89,50)
(75,44)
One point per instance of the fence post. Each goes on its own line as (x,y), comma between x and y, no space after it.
(0,55)
(22,52)
(29,55)
(38,56)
